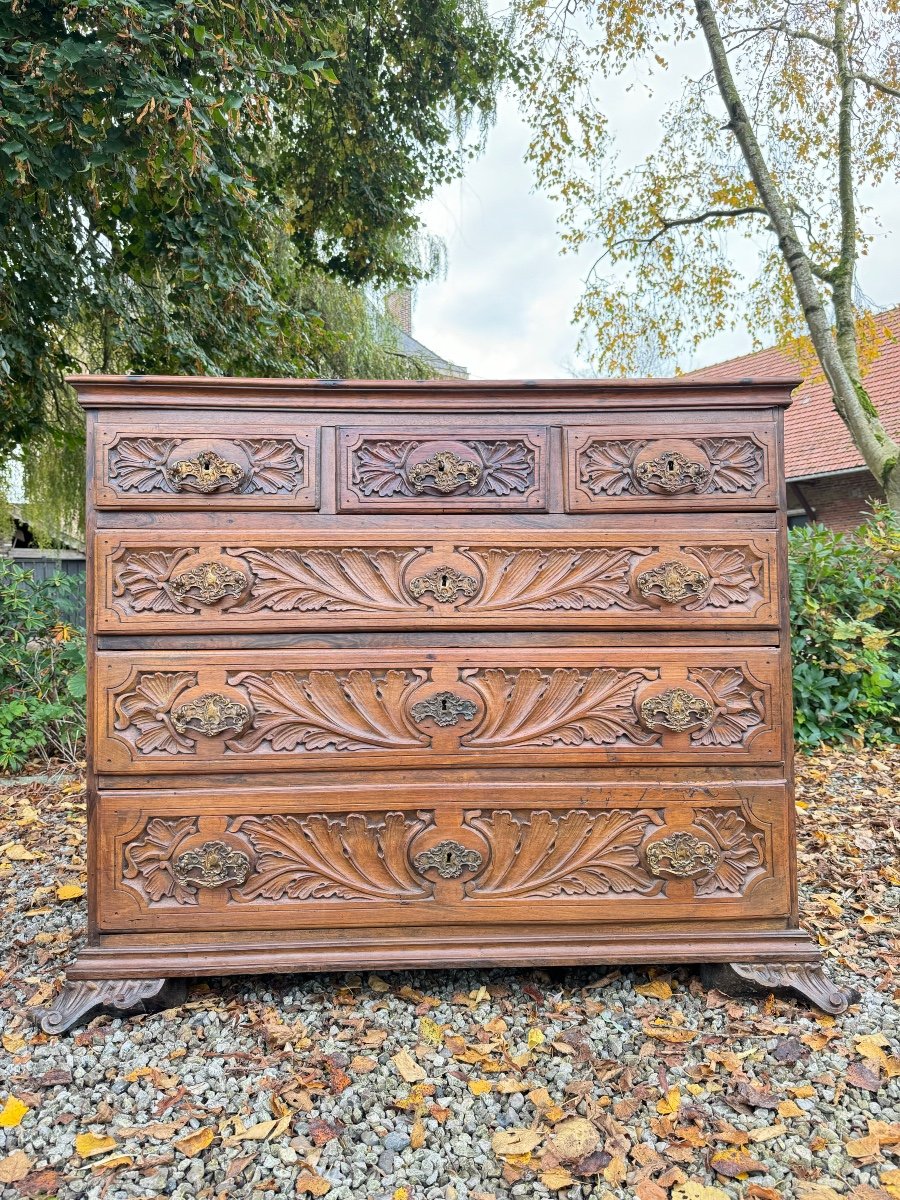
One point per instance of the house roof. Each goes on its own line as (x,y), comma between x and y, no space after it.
(816,441)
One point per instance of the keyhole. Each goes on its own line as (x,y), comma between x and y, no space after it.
(444,705)
(445,581)
(448,858)
(670,466)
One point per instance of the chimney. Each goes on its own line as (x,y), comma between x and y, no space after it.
(399,308)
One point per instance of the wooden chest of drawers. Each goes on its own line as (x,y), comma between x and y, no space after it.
(391,674)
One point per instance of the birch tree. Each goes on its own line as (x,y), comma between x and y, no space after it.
(796,118)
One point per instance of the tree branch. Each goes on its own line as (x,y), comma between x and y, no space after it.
(878,84)
(667,223)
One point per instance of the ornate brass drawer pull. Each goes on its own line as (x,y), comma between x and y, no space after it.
(449,859)
(446,471)
(444,708)
(681,854)
(676,709)
(211,714)
(672,472)
(444,583)
(205,473)
(211,865)
(208,582)
(673,581)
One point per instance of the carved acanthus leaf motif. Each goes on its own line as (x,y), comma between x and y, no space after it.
(565,707)
(276,464)
(736,464)
(733,575)
(741,855)
(328,580)
(554,579)
(146,708)
(144,579)
(738,706)
(148,861)
(381,468)
(354,857)
(578,853)
(321,710)
(607,468)
(139,463)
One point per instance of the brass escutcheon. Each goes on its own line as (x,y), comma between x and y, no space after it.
(672,472)
(444,708)
(205,473)
(676,709)
(444,583)
(673,581)
(681,854)
(211,865)
(447,472)
(449,859)
(209,581)
(210,714)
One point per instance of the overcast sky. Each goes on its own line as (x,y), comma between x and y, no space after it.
(505,308)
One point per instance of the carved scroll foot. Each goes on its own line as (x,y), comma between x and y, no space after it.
(808,980)
(83,998)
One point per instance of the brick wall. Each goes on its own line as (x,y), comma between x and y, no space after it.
(840,501)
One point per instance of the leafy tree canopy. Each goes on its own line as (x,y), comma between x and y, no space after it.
(799,111)
(168,170)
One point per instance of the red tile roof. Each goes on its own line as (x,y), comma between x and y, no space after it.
(816,441)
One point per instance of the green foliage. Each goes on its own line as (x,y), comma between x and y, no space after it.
(845,622)
(42,668)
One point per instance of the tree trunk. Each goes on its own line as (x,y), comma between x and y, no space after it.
(880,452)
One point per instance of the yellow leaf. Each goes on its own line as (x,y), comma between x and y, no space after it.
(890,1181)
(401,1193)
(766,1132)
(787,1108)
(573,1139)
(670,1103)
(89,1144)
(872,1048)
(659,989)
(407,1067)
(16,853)
(556,1179)
(864,1147)
(673,1035)
(307,1181)
(535,1038)
(113,1162)
(430,1031)
(13,1042)
(69,891)
(615,1170)
(377,984)
(479,1087)
(691,1190)
(805,1091)
(12,1112)
(417,1134)
(196,1142)
(515,1141)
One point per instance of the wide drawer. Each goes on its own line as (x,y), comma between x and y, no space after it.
(194,581)
(216,463)
(184,711)
(404,469)
(690,467)
(364,856)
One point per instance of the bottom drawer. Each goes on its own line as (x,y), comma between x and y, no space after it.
(348,856)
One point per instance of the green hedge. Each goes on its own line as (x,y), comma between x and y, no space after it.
(845,617)
(42,686)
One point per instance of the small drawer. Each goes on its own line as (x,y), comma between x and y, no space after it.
(220,464)
(365,855)
(461,470)
(188,581)
(201,711)
(692,467)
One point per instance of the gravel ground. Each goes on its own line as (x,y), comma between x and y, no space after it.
(465,1085)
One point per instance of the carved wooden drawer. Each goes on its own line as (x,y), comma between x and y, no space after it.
(694,467)
(213,464)
(385,856)
(195,580)
(294,709)
(453,470)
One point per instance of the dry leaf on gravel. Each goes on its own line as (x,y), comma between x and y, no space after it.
(196,1142)
(732,1163)
(15,1166)
(89,1144)
(113,1163)
(407,1067)
(515,1141)
(309,1183)
(556,1179)
(692,1190)
(12,1113)
(659,989)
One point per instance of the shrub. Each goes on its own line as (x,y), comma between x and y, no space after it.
(845,617)
(42,684)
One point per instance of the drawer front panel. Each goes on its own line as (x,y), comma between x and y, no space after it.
(462,470)
(151,581)
(215,465)
(369,856)
(296,709)
(692,468)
